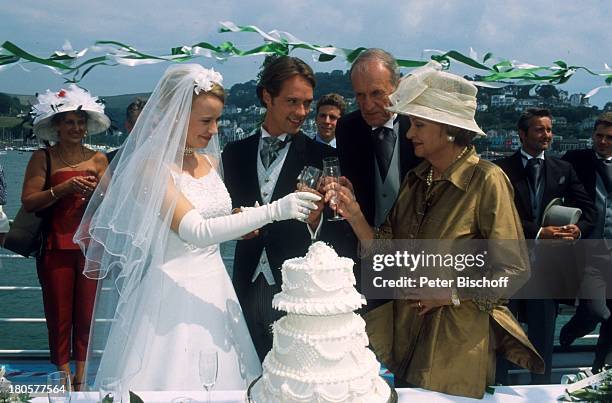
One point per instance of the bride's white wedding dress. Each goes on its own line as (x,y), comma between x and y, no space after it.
(184,306)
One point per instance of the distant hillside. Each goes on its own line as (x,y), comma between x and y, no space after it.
(243,95)
(116,106)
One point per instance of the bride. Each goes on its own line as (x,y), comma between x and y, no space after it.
(151,235)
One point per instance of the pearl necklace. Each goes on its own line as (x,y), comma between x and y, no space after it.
(188,150)
(429,177)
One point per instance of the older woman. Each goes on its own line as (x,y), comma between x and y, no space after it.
(445,344)
(59,180)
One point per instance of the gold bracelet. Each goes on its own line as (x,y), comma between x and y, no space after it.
(53,193)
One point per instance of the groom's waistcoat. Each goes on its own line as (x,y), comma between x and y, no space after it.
(281,240)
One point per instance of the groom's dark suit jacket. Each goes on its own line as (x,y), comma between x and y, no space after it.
(284,239)
(355,145)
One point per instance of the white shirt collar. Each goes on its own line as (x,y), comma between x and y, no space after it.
(388,123)
(264,133)
(332,143)
(527,156)
(599,157)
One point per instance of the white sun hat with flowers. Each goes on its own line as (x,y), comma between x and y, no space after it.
(67,100)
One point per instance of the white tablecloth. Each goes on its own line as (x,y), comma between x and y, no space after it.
(547,393)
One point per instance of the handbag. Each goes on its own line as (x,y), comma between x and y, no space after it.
(26,234)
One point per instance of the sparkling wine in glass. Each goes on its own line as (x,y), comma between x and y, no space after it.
(110,390)
(209,365)
(58,386)
(331,172)
(309,178)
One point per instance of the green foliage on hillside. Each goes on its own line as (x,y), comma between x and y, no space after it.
(243,95)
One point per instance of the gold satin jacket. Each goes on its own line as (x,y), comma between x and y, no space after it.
(451,349)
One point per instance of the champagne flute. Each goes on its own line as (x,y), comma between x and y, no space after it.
(110,390)
(208,365)
(309,179)
(331,171)
(58,386)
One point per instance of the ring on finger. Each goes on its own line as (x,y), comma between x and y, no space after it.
(419,305)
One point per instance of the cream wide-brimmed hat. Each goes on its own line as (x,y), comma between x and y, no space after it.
(67,100)
(438,96)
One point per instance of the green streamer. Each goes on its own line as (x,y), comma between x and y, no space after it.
(75,68)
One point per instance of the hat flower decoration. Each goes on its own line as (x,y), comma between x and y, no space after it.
(71,99)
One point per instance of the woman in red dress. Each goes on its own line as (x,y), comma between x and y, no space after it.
(65,118)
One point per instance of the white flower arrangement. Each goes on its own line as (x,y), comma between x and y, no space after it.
(204,80)
(69,99)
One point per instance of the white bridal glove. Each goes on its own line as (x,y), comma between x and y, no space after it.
(203,232)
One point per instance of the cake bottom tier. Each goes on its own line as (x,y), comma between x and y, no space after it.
(279,384)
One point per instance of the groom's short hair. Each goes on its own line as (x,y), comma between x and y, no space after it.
(279,69)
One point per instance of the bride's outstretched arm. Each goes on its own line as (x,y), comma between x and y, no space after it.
(195,229)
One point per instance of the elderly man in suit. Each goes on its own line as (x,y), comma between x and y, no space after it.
(375,153)
(262,168)
(373,149)
(538,178)
(594,168)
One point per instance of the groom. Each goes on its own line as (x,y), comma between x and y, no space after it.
(262,168)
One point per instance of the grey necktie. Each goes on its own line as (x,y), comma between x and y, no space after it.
(384,143)
(534,173)
(270,148)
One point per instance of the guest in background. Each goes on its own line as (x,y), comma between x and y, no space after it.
(594,169)
(131,115)
(330,108)
(65,118)
(445,344)
(539,178)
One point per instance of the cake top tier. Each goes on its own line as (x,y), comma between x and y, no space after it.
(321,283)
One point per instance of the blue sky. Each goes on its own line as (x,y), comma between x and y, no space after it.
(533,31)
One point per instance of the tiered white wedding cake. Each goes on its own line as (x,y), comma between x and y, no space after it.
(320,349)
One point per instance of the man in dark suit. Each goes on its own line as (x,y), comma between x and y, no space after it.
(262,168)
(594,169)
(373,149)
(372,146)
(539,178)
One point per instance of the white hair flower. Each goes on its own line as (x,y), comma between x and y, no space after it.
(205,79)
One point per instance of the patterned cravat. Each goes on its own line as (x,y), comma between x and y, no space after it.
(384,143)
(270,148)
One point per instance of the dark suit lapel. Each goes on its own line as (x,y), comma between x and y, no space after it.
(251,180)
(591,184)
(294,162)
(521,186)
(553,178)
(406,152)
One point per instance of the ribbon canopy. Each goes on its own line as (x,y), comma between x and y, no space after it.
(75,65)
